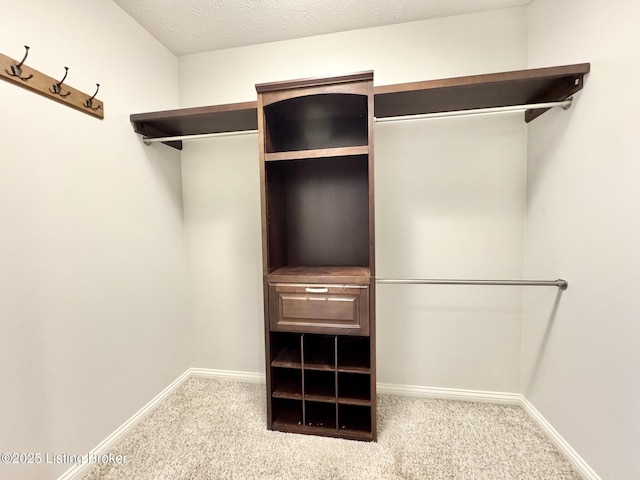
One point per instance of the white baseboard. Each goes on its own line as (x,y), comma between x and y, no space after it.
(561,444)
(450,394)
(500,398)
(383,388)
(77,470)
(248,377)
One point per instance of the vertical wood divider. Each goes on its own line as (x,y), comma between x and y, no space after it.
(304,401)
(335,374)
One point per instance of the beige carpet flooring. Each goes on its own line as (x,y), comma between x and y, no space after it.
(212,429)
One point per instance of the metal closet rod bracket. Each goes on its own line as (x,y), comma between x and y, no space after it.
(560,283)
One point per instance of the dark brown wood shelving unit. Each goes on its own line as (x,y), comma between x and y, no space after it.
(316,169)
(518,87)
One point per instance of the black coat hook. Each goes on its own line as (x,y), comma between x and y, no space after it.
(89,102)
(16,70)
(57,87)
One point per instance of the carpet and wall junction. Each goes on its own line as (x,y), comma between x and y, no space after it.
(215,429)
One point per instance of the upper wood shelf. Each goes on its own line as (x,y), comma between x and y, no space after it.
(230,117)
(519,87)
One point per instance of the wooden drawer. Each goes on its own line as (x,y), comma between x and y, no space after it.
(314,308)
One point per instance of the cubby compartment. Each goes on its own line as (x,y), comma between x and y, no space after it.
(353,418)
(320,415)
(286,350)
(354,354)
(320,386)
(316,122)
(354,388)
(319,352)
(286,413)
(318,212)
(286,383)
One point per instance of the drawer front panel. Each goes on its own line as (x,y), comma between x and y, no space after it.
(339,309)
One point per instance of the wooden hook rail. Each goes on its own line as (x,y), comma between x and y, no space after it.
(18,73)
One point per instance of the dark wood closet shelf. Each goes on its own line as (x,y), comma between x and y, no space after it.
(354,401)
(287,358)
(318,397)
(354,275)
(230,117)
(461,93)
(317,153)
(519,87)
(354,369)
(319,366)
(284,393)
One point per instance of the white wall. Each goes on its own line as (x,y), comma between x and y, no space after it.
(92,273)
(580,363)
(449,198)
(445,47)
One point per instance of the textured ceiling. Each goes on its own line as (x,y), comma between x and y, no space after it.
(191,26)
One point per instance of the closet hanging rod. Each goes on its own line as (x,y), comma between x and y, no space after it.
(149,141)
(561,284)
(565,104)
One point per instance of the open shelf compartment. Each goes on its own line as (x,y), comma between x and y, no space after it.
(320,386)
(286,413)
(318,212)
(354,354)
(320,121)
(286,351)
(354,389)
(320,415)
(319,352)
(354,418)
(286,383)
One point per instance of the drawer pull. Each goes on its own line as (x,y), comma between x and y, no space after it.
(316,290)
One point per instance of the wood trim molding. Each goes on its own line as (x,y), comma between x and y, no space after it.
(314,82)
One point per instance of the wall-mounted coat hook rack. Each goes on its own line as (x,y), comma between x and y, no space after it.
(22,75)
(16,70)
(57,87)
